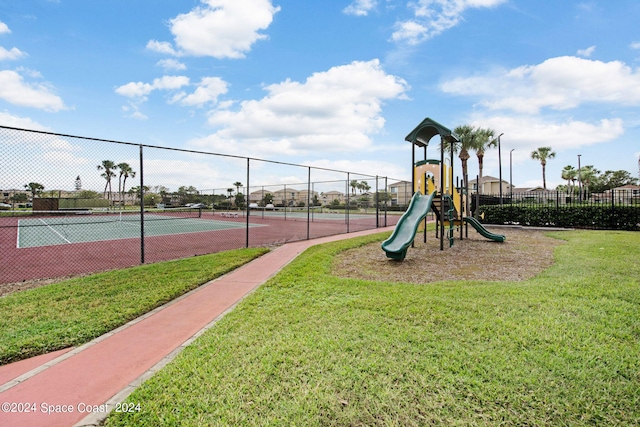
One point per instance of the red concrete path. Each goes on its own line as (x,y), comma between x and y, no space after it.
(80,386)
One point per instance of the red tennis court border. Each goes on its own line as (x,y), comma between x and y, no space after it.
(60,261)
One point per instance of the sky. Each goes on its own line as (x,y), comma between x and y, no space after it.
(336,84)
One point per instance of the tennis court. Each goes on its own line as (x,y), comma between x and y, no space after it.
(81,227)
(43,245)
(313,214)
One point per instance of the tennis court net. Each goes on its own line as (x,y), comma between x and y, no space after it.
(31,218)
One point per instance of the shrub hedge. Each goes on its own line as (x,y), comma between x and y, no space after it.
(592,217)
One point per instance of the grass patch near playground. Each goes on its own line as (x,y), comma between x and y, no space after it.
(75,311)
(309,348)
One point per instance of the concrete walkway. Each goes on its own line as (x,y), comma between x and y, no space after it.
(80,386)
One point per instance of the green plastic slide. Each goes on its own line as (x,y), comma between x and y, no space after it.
(483,231)
(396,246)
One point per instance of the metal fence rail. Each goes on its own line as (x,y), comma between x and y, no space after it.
(74,205)
(614,209)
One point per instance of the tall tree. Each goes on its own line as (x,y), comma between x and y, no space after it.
(484,139)
(354,184)
(612,179)
(108,167)
(542,154)
(34,188)
(230,192)
(570,174)
(125,172)
(588,175)
(466,136)
(237,184)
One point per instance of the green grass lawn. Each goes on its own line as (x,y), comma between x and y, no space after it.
(75,311)
(311,349)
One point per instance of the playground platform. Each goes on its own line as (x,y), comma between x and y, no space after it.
(80,386)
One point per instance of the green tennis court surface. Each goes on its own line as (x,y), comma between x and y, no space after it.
(94,227)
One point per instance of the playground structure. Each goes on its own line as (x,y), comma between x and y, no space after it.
(434,190)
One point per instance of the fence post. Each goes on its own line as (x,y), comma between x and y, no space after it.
(141,207)
(386,185)
(346,210)
(613,209)
(308,202)
(247,203)
(377,204)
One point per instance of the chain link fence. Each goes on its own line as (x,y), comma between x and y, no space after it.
(71,205)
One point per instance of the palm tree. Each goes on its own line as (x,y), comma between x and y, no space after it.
(237,184)
(108,166)
(230,192)
(125,172)
(364,186)
(354,184)
(484,139)
(466,136)
(588,174)
(569,174)
(542,154)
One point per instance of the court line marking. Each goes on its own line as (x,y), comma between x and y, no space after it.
(54,230)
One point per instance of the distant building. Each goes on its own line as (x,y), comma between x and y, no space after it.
(401,193)
(327,197)
(490,185)
(627,193)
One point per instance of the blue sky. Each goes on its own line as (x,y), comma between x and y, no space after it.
(337,83)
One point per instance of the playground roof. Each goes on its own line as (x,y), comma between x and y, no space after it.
(426,130)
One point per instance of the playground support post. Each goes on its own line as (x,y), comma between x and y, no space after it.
(477,211)
(424,239)
(441,193)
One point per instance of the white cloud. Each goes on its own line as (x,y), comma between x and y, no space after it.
(140,90)
(11,55)
(208,91)
(559,83)
(335,110)
(170,82)
(171,64)
(360,7)
(586,53)
(14,53)
(526,133)
(203,174)
(218,28)
(132,110)
(16,91)
(135,90)
(10,120)
(64,158)
(365,167)
(161,47)
(432,17)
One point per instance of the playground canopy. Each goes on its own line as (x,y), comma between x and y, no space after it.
(427,129)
